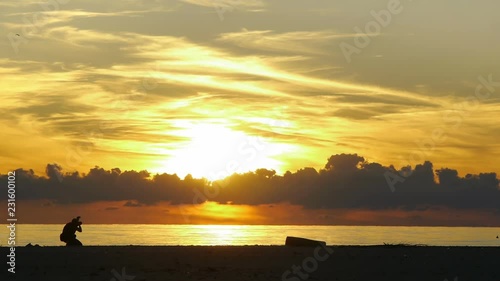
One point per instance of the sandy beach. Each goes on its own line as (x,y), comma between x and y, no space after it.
(138,263)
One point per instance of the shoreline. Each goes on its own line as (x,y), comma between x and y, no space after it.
(259,263)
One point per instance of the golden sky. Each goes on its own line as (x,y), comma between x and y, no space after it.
(185,86)
(213,87)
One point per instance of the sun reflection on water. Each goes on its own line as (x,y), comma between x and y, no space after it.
(223,234)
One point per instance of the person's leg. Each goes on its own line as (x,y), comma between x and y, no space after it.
(74,242)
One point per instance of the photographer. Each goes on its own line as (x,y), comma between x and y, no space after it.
(68,235)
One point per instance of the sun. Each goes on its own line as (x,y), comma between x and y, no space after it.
(214,151)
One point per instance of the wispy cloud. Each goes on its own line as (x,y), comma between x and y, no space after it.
(306,42)
(227,3)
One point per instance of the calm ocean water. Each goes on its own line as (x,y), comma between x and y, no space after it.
(147,234)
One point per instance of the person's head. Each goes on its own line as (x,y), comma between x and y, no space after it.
(76,221)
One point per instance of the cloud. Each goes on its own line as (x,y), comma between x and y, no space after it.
(348,181)
(132,204)
(305,42)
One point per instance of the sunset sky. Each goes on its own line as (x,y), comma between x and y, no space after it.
(214,87)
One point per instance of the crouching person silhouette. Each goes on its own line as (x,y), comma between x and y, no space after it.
(68,235)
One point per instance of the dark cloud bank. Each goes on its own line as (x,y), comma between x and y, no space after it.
(346,181)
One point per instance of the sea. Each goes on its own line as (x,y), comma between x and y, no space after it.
(211,235)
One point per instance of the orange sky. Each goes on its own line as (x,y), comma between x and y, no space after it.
(278,214)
